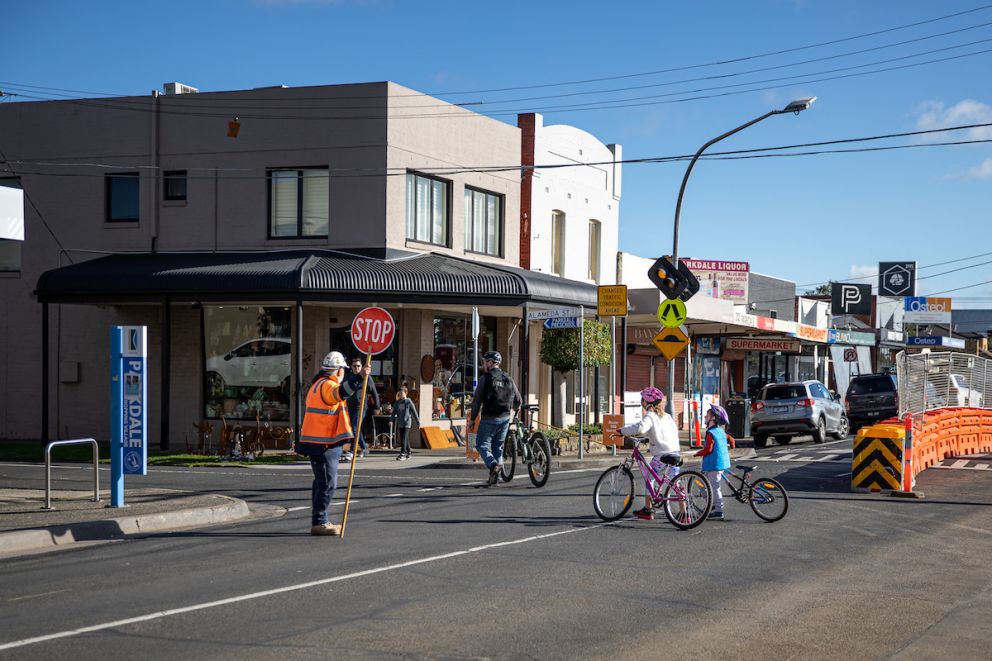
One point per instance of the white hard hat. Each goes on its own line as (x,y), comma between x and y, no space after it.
(333,361)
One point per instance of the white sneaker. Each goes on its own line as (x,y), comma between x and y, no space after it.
(347,456)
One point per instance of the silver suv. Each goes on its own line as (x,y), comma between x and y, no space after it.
(784,410)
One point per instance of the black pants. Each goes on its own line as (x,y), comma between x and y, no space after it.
(404,440)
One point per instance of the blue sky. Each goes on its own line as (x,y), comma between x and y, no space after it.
(807,218)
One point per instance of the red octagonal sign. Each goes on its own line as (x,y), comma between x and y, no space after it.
(373,330)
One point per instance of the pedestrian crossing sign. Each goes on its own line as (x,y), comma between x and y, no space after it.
(672,313)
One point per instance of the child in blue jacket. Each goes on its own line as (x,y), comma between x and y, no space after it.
(716,455)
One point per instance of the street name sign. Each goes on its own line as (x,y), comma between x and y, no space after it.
(611,300)
(552,314)
(672,313)
(561,322)
(670,342)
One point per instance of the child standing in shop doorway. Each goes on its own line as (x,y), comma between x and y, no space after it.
(404,413)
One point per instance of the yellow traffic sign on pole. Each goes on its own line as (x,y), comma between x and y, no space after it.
(672,313)
(670,342)
(612,300)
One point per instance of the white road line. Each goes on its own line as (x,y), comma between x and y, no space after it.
(43,594)
(785,457)
(982,466)
(960,463)
(289,588)
(393,495)
(430,489)
(961,468)
(297,509)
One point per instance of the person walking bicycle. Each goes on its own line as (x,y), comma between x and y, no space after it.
(663,438)
(716,455)
(497,398)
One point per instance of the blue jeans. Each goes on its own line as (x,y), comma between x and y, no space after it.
(356,427)
(325,481)
(489,439)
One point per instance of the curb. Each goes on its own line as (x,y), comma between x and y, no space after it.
(19,541)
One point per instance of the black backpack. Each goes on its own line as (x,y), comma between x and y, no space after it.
(500,392)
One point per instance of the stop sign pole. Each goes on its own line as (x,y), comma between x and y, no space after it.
(372,332)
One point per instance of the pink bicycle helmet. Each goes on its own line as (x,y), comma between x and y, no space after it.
(652,395)
(720,413)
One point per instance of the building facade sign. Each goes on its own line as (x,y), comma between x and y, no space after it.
(763,344)
(717,279)
(935,341)
(852,338)
(923,310)
(886,336)
(812,333)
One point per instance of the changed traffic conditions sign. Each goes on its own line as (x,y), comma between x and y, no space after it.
(672,313)
(373,330)
(671,342)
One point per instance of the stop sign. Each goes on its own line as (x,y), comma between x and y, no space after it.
(373,330)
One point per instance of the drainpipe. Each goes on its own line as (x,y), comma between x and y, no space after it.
(156,173)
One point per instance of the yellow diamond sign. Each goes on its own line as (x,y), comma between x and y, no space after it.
(671,313)
(670,342)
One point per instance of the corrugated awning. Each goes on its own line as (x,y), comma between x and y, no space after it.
(308,274)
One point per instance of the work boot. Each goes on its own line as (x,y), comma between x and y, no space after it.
(331,529)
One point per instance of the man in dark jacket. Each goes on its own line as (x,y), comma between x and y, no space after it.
(497,397)
(354,380)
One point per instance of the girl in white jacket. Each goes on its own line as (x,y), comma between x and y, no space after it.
(663,438)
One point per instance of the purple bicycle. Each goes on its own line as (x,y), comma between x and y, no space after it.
(686,498)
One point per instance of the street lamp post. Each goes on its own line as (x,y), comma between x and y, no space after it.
(796,107)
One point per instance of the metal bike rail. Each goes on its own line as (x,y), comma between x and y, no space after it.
(48,468)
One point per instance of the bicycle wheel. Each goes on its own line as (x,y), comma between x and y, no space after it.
(688,499)
(614,493)
(509,463)
(769,499)
(539,466)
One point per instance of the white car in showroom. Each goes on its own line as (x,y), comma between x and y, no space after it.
(263,362)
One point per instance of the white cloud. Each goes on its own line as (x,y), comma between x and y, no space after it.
(863,274)
(981,171)
(935,115)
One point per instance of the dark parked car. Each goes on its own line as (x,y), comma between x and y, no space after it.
(870,398)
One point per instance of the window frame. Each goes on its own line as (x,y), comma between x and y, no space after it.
(595,257)
(108,196)
(10,272)
(501,230)
(299,203)
(174,175)
(447,206)
(558,238)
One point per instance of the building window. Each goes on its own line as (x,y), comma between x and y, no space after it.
(11,224)
(595,236)
(247,358)
(10,255)
(427,209)
(483,222)
(175,185)
(454,361)
(123,197)
(558,242)
(298,203)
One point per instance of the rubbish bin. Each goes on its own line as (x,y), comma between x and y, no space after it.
(739,412)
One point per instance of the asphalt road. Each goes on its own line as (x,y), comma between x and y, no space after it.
(433,567)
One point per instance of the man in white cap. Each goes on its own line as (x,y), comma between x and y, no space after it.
(326,429)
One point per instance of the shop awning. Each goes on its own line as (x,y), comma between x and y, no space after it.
(313,275)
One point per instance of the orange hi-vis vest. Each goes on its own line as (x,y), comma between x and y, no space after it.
(323,424)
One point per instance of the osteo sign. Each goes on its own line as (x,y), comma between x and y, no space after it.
(373,330)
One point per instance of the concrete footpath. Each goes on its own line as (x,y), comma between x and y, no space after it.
(25,527)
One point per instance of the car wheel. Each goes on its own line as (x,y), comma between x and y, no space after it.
(843,428)
(820,433)
(783,440)
(215,384)
(760,441)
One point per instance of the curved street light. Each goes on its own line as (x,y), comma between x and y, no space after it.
(795,107)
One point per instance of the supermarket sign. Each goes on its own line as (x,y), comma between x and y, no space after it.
(760,344)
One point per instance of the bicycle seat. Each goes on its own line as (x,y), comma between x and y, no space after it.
(531,407)
(670,459)
(746,469)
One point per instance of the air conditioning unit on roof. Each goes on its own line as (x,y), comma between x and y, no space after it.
(178,88)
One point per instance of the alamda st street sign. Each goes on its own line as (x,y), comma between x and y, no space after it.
(670,342)
(672,313)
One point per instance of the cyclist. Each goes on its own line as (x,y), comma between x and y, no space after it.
(716,456)
(663,438)
(497,396)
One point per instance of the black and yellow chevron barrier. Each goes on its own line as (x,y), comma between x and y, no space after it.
(877,463)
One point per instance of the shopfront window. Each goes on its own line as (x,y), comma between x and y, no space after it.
(454,363)
(247,358)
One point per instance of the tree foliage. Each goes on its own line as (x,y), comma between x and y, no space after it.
(560,346)
(822,290)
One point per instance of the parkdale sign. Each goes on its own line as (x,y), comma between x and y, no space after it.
(758,344)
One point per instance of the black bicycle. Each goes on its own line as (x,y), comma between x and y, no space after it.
(767,497)
(530,445)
